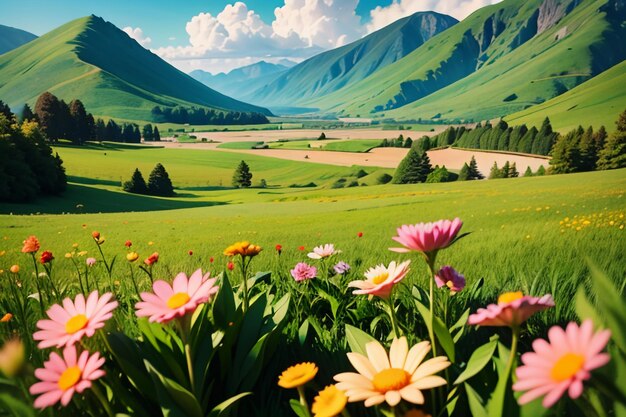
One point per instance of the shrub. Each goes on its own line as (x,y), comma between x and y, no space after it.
(384,178)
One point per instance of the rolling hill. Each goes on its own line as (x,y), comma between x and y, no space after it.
(241,81)
(501,59)
(332,70)
(11,38)
(111,73)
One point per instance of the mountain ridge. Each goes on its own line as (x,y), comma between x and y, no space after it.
(11,38)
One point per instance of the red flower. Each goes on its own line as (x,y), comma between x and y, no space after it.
(152,259)
(190,252)
(279,249)
(211,259)
(46,256)
(128,244)
(300,247)
(230,266)
(95,235)
(360,234)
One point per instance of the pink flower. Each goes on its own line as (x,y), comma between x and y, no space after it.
(90,261)
(31,245)
(561,364)
(324,251)
(427,237)
(381,279)
(169,302)
(303,271)
(74,320)
(62,376)
(449,277)
(513,309)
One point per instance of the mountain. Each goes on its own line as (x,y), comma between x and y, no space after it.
(241,81)
(595,102)
(94,61)
(501,59)
(11,38)
(332,70)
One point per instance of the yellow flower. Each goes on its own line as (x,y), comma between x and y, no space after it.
(329,402)
(15,269)
(2,252)
(297,375)
(132,256)
(12,355)
(75,245)
(84,252)
(68,255)
(244,248)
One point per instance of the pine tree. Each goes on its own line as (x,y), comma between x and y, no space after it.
(156,136)
(495,172)
(541,171)
(27,113)
(566,154)
(513,172)
(408,142)
(242,178)
(506,170)
(80,122)
(101,130)
(5,110)
(137,184)
(528,172)
(414,168)
(439,175)
(588,151)
(464,173)
(613,155)
(473,173)
(148,134)
(159,182)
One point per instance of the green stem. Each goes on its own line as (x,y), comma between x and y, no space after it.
(513,355)
(132,278)
(107,267)
(41,304)
(190,367)
(303,400)
(244,272)
(102,399)
(80,280)
(431,329)
(49,272)
(392,314)
(185,329)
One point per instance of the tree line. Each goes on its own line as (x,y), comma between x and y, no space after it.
(159,183)
(28,167)
(205,116)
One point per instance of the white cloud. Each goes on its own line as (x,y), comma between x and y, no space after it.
(137,34)
(460,9)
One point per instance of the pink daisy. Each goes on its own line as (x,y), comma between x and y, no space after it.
(380,279)
(561,364)
(449,277)
(183,296)
(70,322)
(513,309)
(427,237)
(62,376)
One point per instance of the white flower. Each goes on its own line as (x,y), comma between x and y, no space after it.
(324,251)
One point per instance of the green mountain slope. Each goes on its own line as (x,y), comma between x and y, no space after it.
(332,70)
(596,102)
(113,75)
(11,38)
(241,81)
(501,59)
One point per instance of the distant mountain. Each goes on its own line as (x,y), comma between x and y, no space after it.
(111,73)
(332,70)
(11,38)
(501,59)
(241,81)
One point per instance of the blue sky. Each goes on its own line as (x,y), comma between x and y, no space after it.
(217,35)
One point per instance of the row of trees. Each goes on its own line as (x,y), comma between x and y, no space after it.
(508,170)
(399,142)
(159,183)
(205,116)
(58,120)
(28,167)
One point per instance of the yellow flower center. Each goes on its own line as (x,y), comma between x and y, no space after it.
(508,297)
(76,323)
(391,379)
(69,378)
(567,366)
(177,300)
(379,279)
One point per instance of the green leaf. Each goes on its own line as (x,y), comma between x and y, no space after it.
(224,307)
(444,338)
(475,402)
(425,313)
(299,409)
(223,407)
(334,304)
(182,398)
(479,359)
(357,339)
(11,406)
(129,359)
(303,331)
(281,307)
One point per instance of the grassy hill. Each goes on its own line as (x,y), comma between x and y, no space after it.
(11,38)
(112,74)
(501,59)
(332,70)
(595,102)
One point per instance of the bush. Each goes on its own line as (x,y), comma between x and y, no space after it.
(384,178)
(340,183)
(362,173)
(136,185)
(353,184)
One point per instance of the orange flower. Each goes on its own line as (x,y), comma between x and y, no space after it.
(15,269)
(6,318)
(242,248)
(152,259)
(95,235)
(31,245)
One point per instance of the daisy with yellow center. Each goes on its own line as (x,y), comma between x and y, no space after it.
(329,402)
(401,375)
(512,309)
(297,375)
(381,279)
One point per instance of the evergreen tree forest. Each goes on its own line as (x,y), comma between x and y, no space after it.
(205,116)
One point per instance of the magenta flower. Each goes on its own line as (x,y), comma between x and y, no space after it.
(449,277)
(90,261)
(380,279)
(427,237)
(562,364)
(69,323)
(169,302)
(61,377)
(513,309)
(303,271)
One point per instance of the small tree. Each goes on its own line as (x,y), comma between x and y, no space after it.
(513,172)
(439,175)
(613,155)
(159,182)
(528,172)
(27,113)
(156,136)
(384,178)
(414,168)
(464,173)
(242,178)
(322,136)
(541,171)
(148,135)
(136,185)
(473,173)
(495,172)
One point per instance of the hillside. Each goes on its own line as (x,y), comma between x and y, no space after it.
(595,102)
(241,81)
(11,38)
(501,59)
(332,70)
(112,74)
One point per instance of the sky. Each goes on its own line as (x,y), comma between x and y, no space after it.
(217,36)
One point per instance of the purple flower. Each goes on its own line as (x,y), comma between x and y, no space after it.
(448,277)
(303,271)
(341,268)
